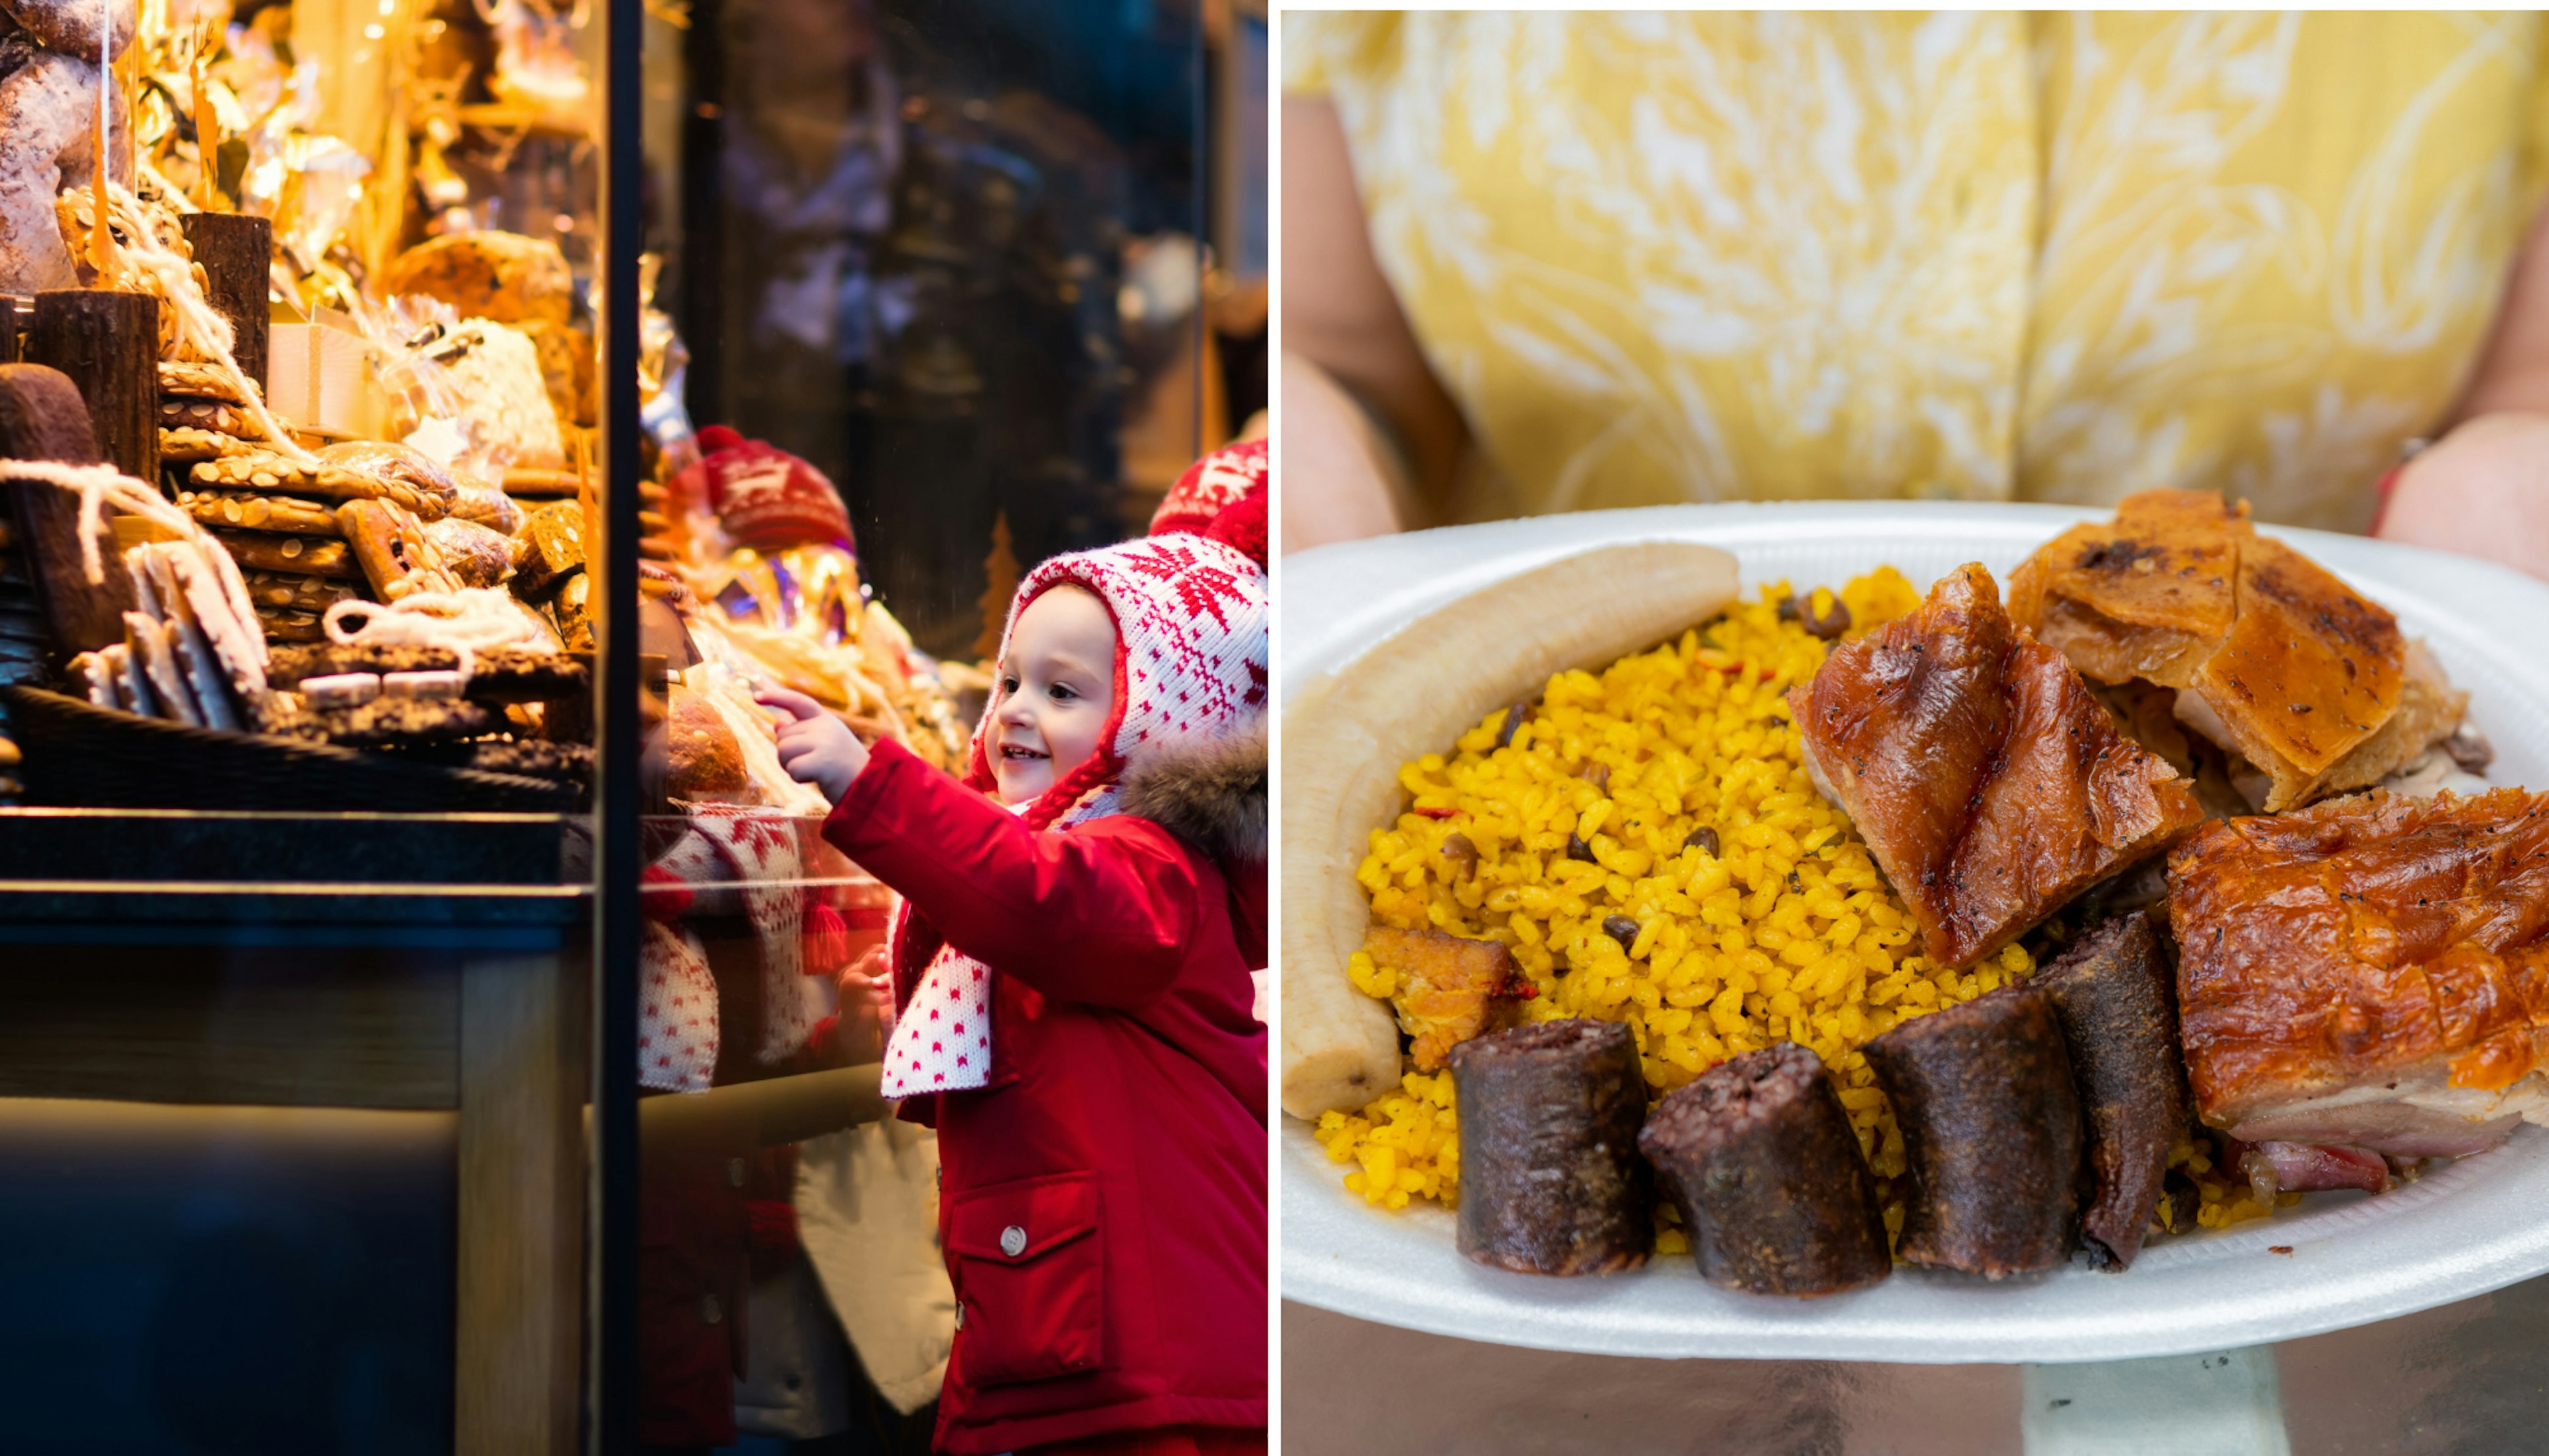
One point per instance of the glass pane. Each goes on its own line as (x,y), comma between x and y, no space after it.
(927,304)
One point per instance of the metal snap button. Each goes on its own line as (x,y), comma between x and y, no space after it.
(710,1310)
(1013,1240)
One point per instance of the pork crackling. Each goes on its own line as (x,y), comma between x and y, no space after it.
(1989,785)
(2369,975)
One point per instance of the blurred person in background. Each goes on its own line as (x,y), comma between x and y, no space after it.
(1557,262)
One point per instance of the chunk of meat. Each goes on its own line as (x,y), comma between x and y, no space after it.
(2311,1167)
(2273,657)
(1990,785)
(1759,1157)
(1991,1134)
(2114,995)
(1447,987)
(2371,973)
(1550,1178)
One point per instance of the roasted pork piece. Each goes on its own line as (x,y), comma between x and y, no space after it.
(2271,657)
(1991,1134)
(1449,987)
(1990,785)
(1550,1178)
(2112,995)
(1775,1196)
(2367,974)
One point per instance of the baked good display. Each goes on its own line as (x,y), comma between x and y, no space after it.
(500,276)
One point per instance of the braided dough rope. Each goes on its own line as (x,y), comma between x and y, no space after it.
(464,622)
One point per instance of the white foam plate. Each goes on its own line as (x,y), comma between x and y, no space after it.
(2478,1225)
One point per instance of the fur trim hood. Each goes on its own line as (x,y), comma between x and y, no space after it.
(1212,793)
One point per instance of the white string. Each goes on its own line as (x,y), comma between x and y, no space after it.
(463,623)
(101,486)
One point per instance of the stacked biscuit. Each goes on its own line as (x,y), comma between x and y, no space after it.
(191,653)
(363,520)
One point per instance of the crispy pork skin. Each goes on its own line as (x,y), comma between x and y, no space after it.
(2273,657)
(2369,972)
(1989,784)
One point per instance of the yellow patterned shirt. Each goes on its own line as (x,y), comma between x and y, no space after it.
(1988,256)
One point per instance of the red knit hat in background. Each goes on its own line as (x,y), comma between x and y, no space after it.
(767,499)
(1190,602)
(1210,486)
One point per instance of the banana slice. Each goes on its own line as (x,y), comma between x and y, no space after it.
(1346,734)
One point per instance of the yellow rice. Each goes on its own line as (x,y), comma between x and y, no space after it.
(1787,933)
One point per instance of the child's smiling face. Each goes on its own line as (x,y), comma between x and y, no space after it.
(1057,687)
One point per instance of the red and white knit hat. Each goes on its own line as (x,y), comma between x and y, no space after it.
(1190,604)
(1211,486)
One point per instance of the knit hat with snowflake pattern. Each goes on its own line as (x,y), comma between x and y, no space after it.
(1190,604)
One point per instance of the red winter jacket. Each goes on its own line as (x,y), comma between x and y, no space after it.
(1123,1132)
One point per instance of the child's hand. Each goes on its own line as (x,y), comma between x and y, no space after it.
(867,993)
(813,746)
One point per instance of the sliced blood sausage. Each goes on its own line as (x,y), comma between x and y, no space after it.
(2115,999)
(1759,1157)
(1551,1179)
(1991,1134)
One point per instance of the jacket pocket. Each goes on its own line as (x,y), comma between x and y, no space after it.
(1029,1270)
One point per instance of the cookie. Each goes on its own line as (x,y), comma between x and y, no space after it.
(263,469)
(199,411)
(187,443)
(286,591)
(309,556)
(254,512)
(199,380)
(288,624)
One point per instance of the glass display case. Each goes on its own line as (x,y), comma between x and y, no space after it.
(300,461)
(458,415)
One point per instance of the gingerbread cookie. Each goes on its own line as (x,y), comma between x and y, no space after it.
(252,513)
(256,551)
(263,469)
(197,412)
(187,443)
(283,589)
(199,380)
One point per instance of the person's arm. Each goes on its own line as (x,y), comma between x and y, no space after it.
(1101,915)
(2482,487)
(1366,429)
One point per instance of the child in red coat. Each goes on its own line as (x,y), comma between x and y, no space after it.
(1071,971)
